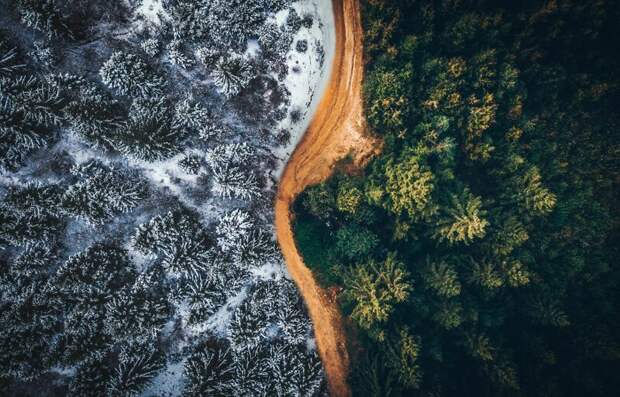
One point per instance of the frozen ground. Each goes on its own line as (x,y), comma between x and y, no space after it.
(308,76)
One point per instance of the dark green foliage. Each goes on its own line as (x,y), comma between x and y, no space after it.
(150,133)
(496,195)
(178,239)
(210,370)
(102,192)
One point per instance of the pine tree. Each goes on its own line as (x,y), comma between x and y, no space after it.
(94,276)
(93,114)
(150,47)
(463,221)
(44,16)
(403,357)
(205,292)
(106,192)
(91,379)
(84,335)
(536,198)
(191,163)
(294,371)
(150,133)
(486,275)
(129,75)
(233,226)
(138,363)
(443,279)
(291,317)
(10,61)
(232,74)
(177,56)
(178,239)
(251,371)
(210,370)
(31,101)
(374,289)
(229,166)
(409,187)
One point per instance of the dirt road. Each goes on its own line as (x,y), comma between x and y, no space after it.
(338,128)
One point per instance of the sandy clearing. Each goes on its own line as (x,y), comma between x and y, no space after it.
(337,129)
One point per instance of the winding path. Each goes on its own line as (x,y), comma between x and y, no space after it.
(337,129)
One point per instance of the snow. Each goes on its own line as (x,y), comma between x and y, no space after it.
(308,85)
(168,383)
(253,49)
(152,10)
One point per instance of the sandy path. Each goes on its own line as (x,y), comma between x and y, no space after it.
(337,129)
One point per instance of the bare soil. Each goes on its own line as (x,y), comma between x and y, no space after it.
(337,129)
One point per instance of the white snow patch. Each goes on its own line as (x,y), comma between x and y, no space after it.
(168,383)
(152,10)
(253,49)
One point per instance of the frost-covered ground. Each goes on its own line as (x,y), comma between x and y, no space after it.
(142,141)
(310,75)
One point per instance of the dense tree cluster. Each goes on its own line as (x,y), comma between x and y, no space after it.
(476,254)
(134,233)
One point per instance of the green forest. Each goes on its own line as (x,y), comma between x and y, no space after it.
(477,254)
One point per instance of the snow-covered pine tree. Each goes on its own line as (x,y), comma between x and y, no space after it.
(83,335)
(44,16)
(177,56)
(254,249)
(191,115)
(151,47)
(205,293)
(29,111)
(232,74)
(94,276)
(129,75)
(208,55)
(106,192)
(231,227)
(232,177)
(213,129)
(27,274)
(31,101)
(140,308)
(91,378)
(291,317)
(18,227)
(93,114)
(34,196)
(210,370)
(293,21)
(139,362)
(251,371)
(251,319)
(150,133)
(189,19)
(295,371)
(178,239)
(10,61)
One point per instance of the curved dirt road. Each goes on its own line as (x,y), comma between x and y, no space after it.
(337,129)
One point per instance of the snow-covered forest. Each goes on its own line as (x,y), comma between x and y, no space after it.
(140,146)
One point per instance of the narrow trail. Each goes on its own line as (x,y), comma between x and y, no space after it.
(337,129)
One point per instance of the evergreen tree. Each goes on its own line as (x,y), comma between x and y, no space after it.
(178,239)
(129,75)
(150,133)
(232,74)
(104,193)
(462,221)
(138,363)
(210,370)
